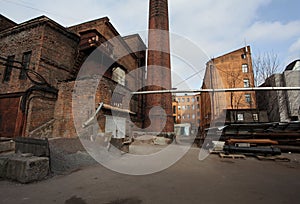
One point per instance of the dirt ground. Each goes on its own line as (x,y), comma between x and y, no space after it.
(213,180)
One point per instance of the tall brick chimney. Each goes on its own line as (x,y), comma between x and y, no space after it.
(159,67)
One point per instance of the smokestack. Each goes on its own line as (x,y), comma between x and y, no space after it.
(159,67)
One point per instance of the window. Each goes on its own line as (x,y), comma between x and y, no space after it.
(188,100)
(8,69)
(188,116)
(179,117)
(248,98)
(183,107)
(255,117)
(179,107)
(198,99)
(178,99)
(240,117)
(245,68)
(193,107)
(188,107)
(193,100)
(174,109)
(193,116)
(183,117)
(198,113)
(198,106)
(243,56)
(119,75)
(182,100)
(246,83)
(25,64)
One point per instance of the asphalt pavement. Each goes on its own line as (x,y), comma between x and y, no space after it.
(214,180)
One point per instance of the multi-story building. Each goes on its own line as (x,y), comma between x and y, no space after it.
(188,110)
(282,106)
(40,61)
(232,70)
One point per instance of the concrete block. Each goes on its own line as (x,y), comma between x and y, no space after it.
(27,169)
(3,166)
(6,146)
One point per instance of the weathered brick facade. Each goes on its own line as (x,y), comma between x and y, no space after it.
(53,55)
(232,70)
(51,50)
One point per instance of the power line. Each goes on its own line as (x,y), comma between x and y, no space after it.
(193,75)
(25,5)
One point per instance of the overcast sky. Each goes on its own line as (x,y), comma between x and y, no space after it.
(216,26)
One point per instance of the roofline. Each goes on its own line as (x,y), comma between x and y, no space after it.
(139,38)
(105,19)
(113,29)
(11,21)
(231,52)
(36,22)
(291,65)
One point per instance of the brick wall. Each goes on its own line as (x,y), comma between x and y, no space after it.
(53,54)
(82,99)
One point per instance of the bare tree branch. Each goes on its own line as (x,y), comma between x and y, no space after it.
(265,65)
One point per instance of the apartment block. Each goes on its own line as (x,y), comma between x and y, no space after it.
(232,70)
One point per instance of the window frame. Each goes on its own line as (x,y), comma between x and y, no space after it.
(245,68)
(248,98)
(246,83)
(8,68)
(26,58)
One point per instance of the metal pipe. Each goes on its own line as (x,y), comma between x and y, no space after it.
(254,150)
(220,90)
(88,122)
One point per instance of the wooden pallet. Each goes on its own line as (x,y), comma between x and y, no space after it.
(232,156)
(273,158)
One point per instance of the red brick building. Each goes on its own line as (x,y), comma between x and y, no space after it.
(189,110)
(232,70)
(40,60)
(41,45)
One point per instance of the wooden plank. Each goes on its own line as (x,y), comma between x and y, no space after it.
(252,141)
(232,156)
(273,158)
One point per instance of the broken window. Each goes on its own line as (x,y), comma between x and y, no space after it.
(25,64)
(8,69)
